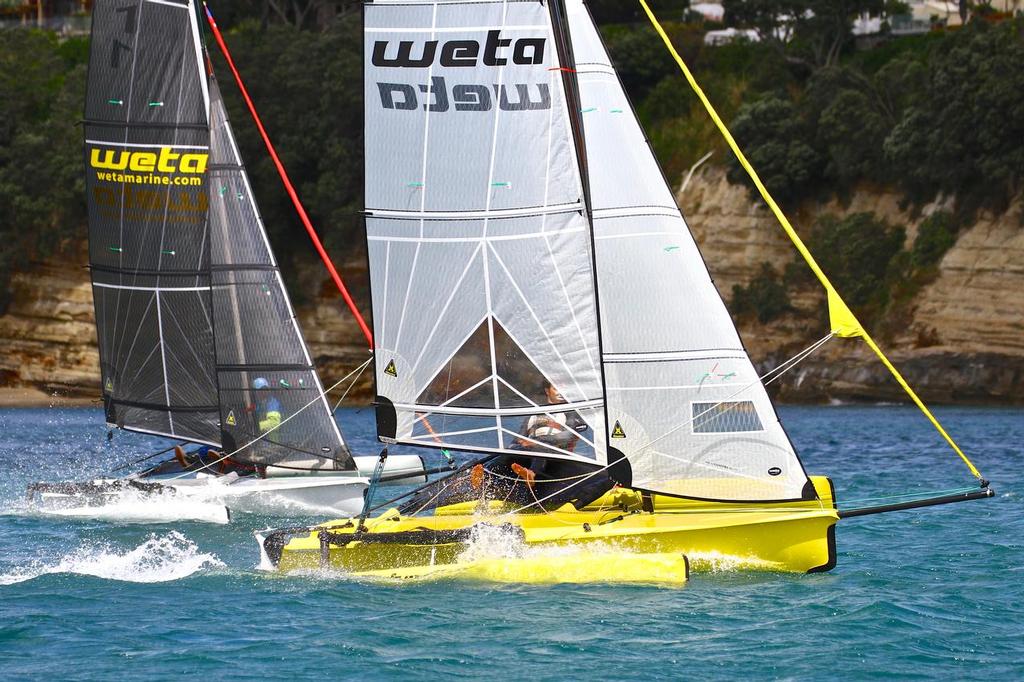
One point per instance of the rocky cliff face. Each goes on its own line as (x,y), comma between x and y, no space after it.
(962,339)
(48,337)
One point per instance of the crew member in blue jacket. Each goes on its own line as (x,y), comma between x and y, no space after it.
(270,417)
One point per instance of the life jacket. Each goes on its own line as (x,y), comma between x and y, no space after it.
(272,419)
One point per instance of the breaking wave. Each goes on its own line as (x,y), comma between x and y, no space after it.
(158,559)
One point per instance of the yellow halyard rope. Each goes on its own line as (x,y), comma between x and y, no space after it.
(841,318)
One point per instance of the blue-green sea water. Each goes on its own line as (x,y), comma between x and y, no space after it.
(928,594)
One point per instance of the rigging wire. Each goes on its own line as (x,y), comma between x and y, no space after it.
(147,457)
(773,373)
(350,387)
(777,372)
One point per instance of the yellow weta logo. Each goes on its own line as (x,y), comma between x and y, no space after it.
(166,161)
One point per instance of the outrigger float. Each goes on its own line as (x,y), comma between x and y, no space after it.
(538,298)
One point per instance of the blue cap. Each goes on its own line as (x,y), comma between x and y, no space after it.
(260,382)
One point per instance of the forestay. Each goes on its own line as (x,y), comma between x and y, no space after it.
(479,248)
(261,357)
(146,155)
(684,403)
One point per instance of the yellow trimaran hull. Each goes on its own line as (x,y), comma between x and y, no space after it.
(612,540)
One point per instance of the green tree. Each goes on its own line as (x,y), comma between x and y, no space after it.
(764,296)
(859,254)
(935,236)
(850,121)
(823,32)
(42,87)
(963,135)
(776,140)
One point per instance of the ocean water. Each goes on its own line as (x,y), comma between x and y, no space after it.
(928,594)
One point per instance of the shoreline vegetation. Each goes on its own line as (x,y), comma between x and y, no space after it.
(930,119)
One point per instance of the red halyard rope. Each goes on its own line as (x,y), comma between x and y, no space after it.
(287,183)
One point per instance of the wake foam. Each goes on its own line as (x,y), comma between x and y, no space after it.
(492,542)
(129,506)
(158,559)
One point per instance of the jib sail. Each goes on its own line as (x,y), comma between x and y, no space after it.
(264,371)
(146,158)
(479,246)
(684,403)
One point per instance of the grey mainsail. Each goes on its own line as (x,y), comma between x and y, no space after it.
(261,358)
(197,337)
(479,246)
(146,153)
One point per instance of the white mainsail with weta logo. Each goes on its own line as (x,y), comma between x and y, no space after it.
(519,231)
(479,244)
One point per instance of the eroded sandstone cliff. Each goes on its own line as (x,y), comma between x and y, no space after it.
(960,340)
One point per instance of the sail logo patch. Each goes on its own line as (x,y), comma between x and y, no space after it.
(438,96)
(464,97)
(166,161)
(108,386)
(617,431)
(230,421)
(391,369)
(461,52)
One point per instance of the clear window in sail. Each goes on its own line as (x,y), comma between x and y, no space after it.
(728,417)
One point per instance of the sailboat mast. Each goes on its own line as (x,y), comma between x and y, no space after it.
(617,466)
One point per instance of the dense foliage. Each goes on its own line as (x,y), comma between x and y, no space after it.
(42,87)
(764,297)
(928,114)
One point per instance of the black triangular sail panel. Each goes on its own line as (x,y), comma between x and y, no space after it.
(264,372)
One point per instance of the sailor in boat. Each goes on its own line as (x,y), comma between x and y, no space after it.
(542,476)
(269,414)
(523,480)
(559,429)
